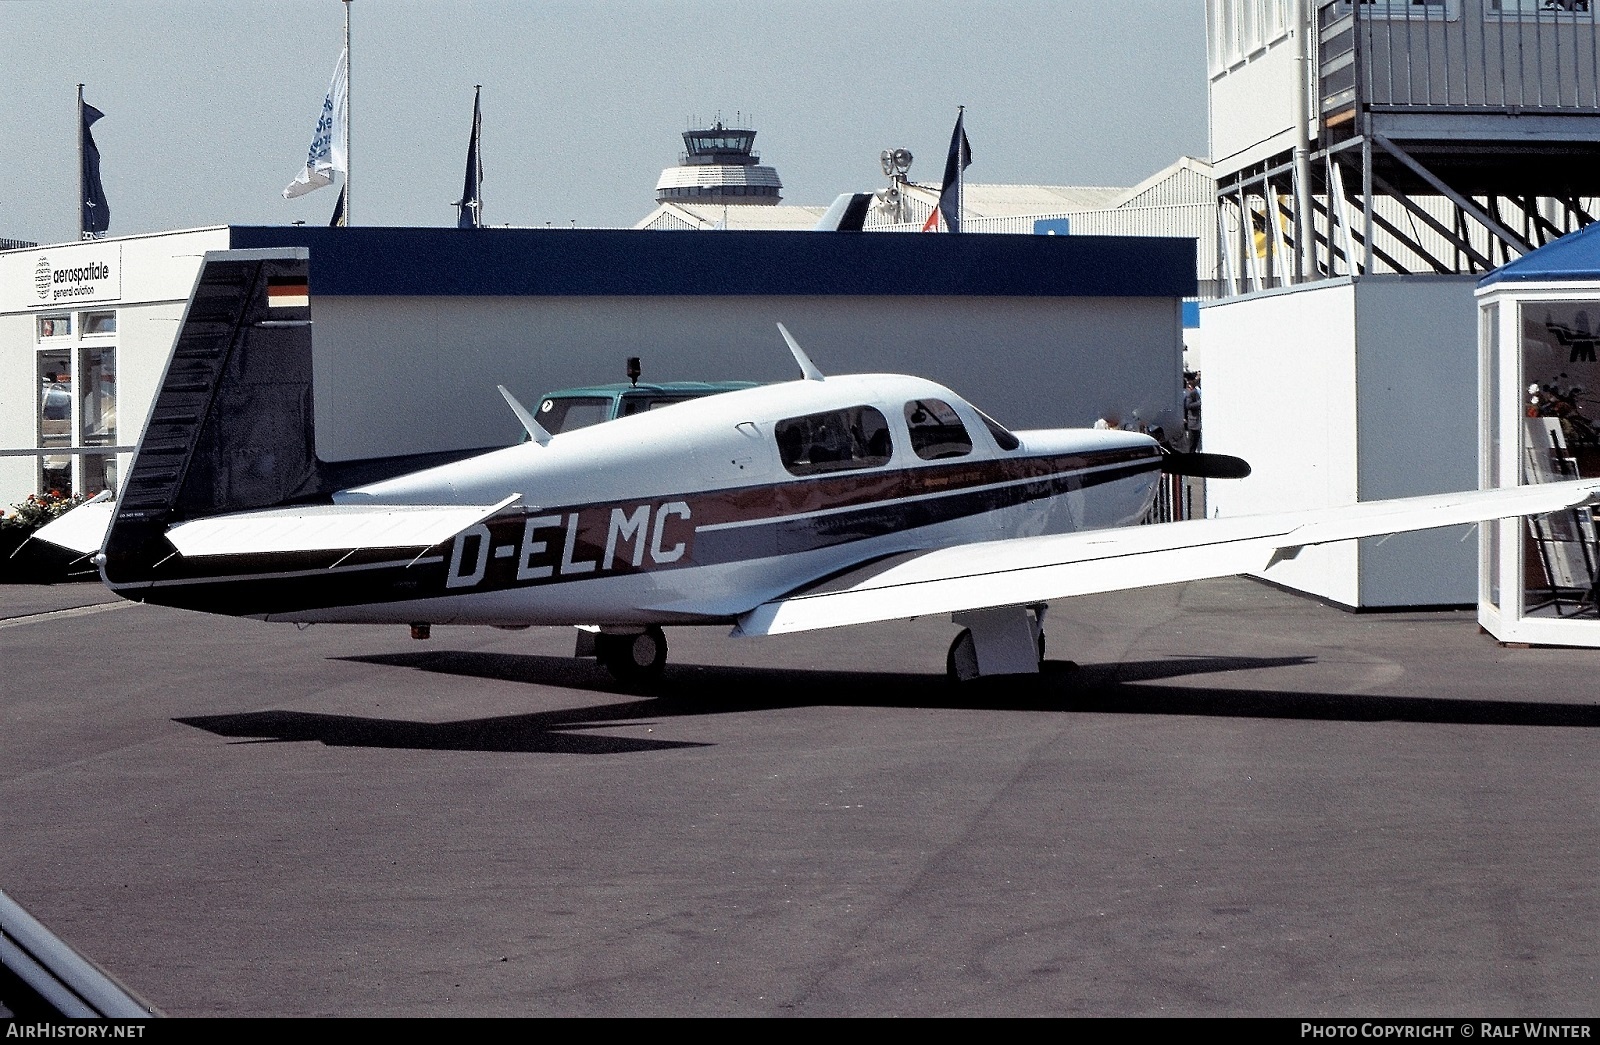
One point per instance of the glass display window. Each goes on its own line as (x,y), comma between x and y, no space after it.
(97,414)
(55,420)
(1560,439)
(77,404)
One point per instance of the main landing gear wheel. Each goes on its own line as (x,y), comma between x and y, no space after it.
(961,663)
(633,659)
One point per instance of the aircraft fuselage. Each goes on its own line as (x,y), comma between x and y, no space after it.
(694,513)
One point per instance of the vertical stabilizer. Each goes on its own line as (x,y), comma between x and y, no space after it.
(231,427)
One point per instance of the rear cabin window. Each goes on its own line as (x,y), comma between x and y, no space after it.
(571,414)
(936,431)
(836,441)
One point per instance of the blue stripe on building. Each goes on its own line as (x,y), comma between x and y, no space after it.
(415,262)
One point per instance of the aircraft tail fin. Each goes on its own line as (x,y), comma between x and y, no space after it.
(847,213)
(231,428)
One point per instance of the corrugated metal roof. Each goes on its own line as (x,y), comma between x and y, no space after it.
(750,216)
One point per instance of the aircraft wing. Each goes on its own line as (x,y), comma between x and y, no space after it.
(328,527)
(1028,570)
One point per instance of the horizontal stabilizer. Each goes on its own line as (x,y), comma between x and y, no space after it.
(83,529)
(1037,569)
(329,527)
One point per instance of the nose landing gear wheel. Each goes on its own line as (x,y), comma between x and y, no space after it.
(633,659)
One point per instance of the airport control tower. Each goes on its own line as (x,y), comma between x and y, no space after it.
(719,165)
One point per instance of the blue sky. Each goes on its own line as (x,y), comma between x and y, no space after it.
(210,106)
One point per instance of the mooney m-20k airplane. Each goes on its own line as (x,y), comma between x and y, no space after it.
(811,504)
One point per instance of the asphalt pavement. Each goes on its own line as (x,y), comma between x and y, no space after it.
(1240,802)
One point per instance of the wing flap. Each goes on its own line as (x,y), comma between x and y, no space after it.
(329,527)
(1038,569)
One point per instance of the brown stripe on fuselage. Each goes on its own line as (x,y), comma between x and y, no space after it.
(803,495)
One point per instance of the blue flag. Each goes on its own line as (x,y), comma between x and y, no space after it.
(960,159)
(94,212)
(470,207)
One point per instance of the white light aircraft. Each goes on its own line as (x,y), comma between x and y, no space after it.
(811,504)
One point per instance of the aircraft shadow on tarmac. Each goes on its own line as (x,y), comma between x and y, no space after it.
(552,732)
(693,690)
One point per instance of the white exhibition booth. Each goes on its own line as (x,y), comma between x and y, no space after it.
(1539,381)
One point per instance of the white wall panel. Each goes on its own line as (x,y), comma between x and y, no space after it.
(1279,390)
(411,375)
(1417,425)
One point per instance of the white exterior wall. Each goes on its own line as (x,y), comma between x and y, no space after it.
(148,291)
(1343,391)
(1252,65)
(1279,390)
(19,390)
(412,375)
(1417,382)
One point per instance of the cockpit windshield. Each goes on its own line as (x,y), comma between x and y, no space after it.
(1002,436)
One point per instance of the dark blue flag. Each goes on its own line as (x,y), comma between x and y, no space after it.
(337,221)
(95,213)
(470,206)
(960,159)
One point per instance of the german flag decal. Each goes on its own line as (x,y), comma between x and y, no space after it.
(288,292)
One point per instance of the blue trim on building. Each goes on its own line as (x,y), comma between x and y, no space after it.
(1575,256)
(417,262)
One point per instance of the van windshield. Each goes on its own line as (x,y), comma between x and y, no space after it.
(568,414)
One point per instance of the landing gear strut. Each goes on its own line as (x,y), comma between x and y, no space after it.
(633,659)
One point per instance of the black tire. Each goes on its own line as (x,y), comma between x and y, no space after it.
(961,663)
(633,659)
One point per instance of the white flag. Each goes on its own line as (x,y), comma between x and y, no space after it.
(327,145)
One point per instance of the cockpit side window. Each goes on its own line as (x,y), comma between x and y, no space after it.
(1003,438)
(835,441)
(936,431)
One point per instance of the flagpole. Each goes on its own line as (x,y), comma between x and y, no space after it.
(81,186)
(347,164)
(961,168)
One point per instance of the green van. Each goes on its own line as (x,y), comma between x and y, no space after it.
(573,408)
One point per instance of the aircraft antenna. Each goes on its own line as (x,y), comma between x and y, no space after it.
(807,367)
(530,424)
